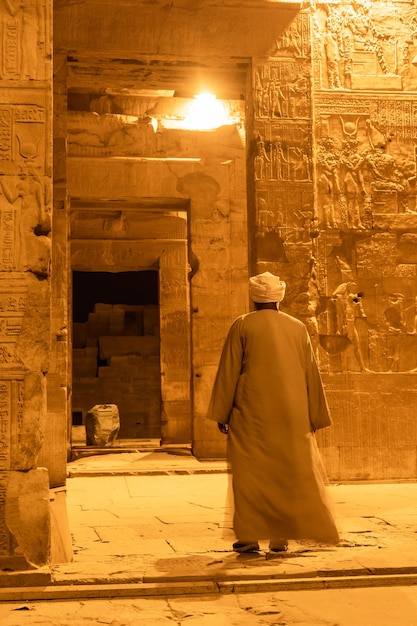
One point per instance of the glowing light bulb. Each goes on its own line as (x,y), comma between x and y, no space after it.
(206,113)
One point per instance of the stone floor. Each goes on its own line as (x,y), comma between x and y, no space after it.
(157,523)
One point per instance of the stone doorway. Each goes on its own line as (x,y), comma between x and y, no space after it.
(115,356)
(131,317)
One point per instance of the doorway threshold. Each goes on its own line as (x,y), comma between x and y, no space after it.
(131,445)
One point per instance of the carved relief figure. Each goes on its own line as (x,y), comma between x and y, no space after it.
(102,105)
(352,184)
(365,34)
(395,322)
(282,91)
(304,306)
(348,308)
(278,161)
(300,164)
(277,97)
(261,160)
(33,218)
(333,43)
(291,40)
(30,20)
(357,178)
(265,216)
(382,171)
(354,43)
(328,157)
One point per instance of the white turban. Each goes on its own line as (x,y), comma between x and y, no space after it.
(266,288)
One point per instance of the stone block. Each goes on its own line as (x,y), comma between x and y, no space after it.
(79,335)
(117,323)
(27,514)
(102,425)
(132,318)
(33,343)
(131,366)
(78,436)
(151,320)
(84,362)
(124,346)
(100,307)
(61,544)
(98,324)
(53,454)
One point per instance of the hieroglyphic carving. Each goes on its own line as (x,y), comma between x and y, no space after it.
(294,41)
(6,127)
(5,424)
(107,135)
(363,170)
(32,247)
(370,314)
(360,41)
(5,537)
(7,239)
(286,210)
(282,89)
(25,198)
(11,409)
(283,152)
(13,295)
(283,166)
(396,117)
(23,36)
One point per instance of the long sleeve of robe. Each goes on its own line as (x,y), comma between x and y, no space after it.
(269,390)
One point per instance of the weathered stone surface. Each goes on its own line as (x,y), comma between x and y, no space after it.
(122,346)
(27,440)
(102,425)
(84,362)
(27,514)
(34,343)
(61,540)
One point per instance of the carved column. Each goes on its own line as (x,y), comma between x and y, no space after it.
(25,290)
(284,226)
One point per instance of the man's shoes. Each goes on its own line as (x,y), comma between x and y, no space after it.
(245,547)
(279,547)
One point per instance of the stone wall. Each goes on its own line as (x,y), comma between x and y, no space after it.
(25,278)
(335,168)
(205,273)
(318,185)
(115,360)
(330,181)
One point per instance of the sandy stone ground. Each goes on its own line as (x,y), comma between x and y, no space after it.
(152,537)
(339,607)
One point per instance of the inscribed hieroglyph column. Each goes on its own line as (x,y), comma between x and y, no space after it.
(25,249)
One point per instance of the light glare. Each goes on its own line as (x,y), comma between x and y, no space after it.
(206,113)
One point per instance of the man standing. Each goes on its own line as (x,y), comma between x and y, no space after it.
(269,398)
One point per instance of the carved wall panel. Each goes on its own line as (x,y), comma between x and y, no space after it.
(332,182)
(365,184)
(25,247)
(285,220)
(334,204)
(365,45)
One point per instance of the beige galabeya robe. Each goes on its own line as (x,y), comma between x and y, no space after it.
(268,389)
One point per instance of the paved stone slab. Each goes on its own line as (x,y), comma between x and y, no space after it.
(166,530)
